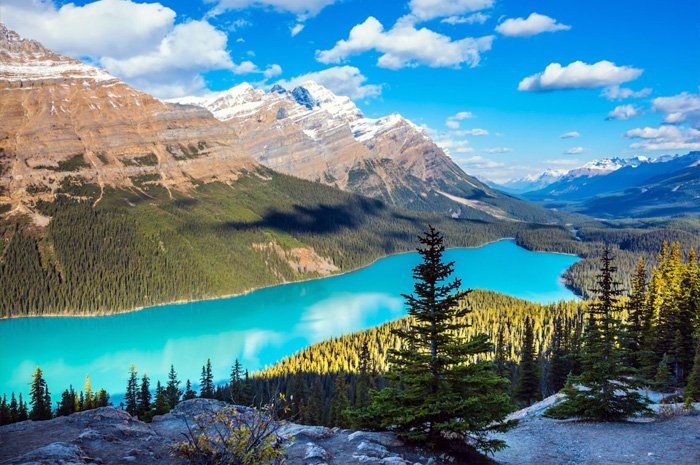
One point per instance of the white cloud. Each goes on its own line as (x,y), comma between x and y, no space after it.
(452,122)
(665,137)
(296,29)
(138,42)
(621,93)
(575,151)
(471,132)
(563,162)
(570,135)
(479,163)
(498,150)
(624,112)
(341,80)
(302,8)
(405,46)
(476,18)
(272,71)
(426,10)
(116,28)
(579,75)
(681,108)
(530,26)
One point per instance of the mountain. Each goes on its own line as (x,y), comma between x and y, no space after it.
(312,133)
(638,186)
(112,200)
(64,119)
(606,175)
(530,182)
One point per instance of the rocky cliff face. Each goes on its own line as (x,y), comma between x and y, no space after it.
(110,436)
(62,118)
(312,133)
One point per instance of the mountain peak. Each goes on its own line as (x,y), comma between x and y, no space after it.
(28,60)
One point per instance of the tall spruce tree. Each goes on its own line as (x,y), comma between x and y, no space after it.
(636,308)
(172,389)
(528,390)
(559,363)
(236,383)
(189,392)
(439,390)
(339,403)
(692,389)
(131,398)
(144,397)
(601,391)
(40,398)
(206,382)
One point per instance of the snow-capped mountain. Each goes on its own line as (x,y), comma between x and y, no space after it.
(531,182)
(611,175)
(310,132)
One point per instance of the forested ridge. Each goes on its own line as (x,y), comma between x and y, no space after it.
(148,246)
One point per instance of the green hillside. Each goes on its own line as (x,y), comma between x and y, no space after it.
(141,247)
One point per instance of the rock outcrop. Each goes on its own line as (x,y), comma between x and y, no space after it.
(63,118)
(108,436)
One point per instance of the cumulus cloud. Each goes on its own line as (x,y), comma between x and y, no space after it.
(624,112)
(471,132)
(575,151)
(665,137)
(138,42)
(406,46)
(530,26)
(452,122)
(681,108)
(272,71)
(498,150)
(341,80)
(426,10)
(579,75)
(570,135)
(96,29)
(476,18)
(622,93)
(303,9)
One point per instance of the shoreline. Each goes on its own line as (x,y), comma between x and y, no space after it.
(251,290)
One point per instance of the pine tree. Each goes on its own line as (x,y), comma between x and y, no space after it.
(439,390)
(22,410)
(40,398)
(636,308)
(692,389)
(161,405)
(236,383)
(172,390)
(132,392)
(528,387)
(4,411)
(363,384)
(14,409)
(101,398)
(206,386)
(601,391)
(144,397)
(189,392)
(89,402)
(559,364)
(500,358)
(339,403)
(664,379)
(67,404)
(315,411)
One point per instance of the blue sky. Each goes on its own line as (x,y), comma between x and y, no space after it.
(459,67)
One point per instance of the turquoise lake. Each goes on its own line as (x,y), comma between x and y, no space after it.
(258,328)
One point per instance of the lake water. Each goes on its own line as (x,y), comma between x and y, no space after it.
(259,328)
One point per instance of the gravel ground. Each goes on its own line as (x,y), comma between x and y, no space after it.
(542,441)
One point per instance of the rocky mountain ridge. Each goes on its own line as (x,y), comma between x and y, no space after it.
(312,133)
(67,123)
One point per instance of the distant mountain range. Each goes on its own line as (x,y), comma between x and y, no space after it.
(614,187)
